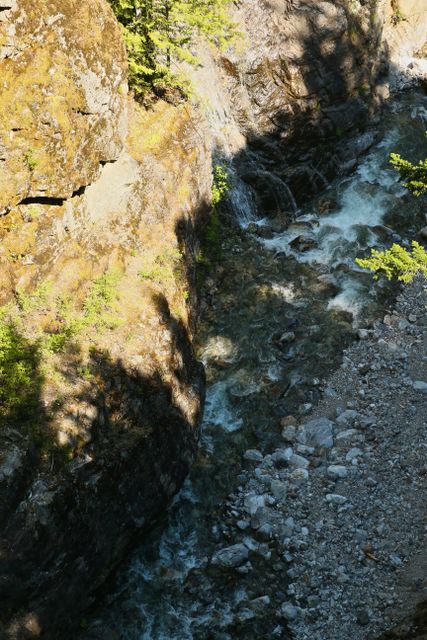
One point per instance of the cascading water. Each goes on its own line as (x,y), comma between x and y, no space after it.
(274,325)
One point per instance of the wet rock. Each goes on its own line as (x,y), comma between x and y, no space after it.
(303,243)
(264,232)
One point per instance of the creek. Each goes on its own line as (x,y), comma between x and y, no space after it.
(277,312)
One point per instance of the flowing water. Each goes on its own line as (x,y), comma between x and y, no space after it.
(275,320)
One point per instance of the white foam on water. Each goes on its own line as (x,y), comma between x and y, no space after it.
(364,200)
(219,348)
(349,299)
(218,410)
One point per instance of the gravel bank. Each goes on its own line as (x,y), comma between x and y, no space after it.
(343,501)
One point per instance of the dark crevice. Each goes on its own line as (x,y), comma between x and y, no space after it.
(80,191)
(56,202)
(82,112)
(104,162)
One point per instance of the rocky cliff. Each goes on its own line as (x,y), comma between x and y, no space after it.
(100,206)
(101,394)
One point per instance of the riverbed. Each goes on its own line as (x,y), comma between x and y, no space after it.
(277,312)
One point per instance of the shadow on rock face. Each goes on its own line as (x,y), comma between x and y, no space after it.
(66,524)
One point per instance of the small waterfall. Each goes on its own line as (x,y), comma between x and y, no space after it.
(242,202)
(273,193)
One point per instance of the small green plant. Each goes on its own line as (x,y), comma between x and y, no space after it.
(19,371)
(397,262)
(30,159)
(397,15)
(220,184)
(166,267)
(212,238)
(97,313)
(31,302)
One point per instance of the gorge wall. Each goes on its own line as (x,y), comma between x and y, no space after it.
(305,78)
(101,206)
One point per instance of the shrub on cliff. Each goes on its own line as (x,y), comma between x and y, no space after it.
(415,176)
(158,32)
(397,262)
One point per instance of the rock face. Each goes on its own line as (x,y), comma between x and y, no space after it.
(62,99)
(100,201)
(307,76)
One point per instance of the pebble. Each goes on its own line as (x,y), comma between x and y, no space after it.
(420,385)
(363,617)
(299,475)
(353,454)
(299,462)
(348,416)
(335,498)
(317,433)
(231,556)
(253,454)
(337,471)
(289,611)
